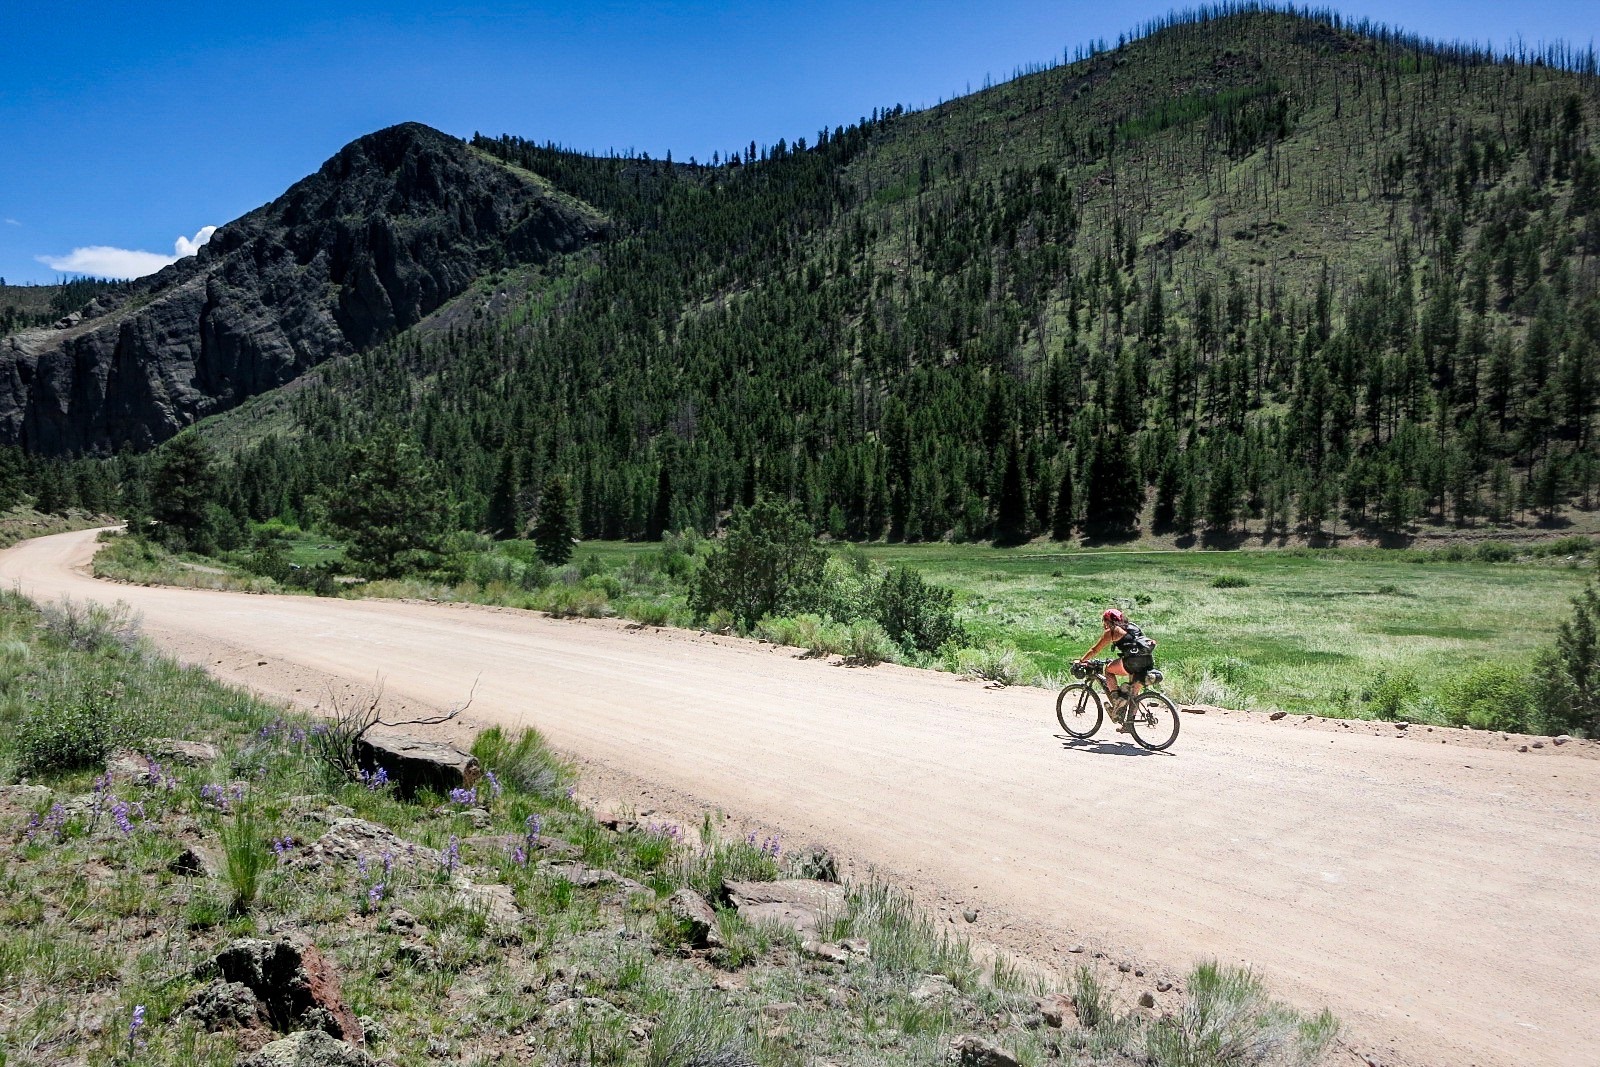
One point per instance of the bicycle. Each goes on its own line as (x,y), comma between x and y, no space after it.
(1080,708)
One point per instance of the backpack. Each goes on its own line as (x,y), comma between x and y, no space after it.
(1133,642)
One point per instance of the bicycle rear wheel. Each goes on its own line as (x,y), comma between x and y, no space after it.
(1154,721)
(1078,710)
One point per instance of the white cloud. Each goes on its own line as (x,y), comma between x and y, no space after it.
(103,261)
(12,222)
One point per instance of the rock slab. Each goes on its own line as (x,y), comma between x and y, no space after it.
(308,1048)
(414,764)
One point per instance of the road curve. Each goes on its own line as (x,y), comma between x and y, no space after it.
(1441,898)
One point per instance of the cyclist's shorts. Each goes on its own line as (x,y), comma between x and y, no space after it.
(1138,665)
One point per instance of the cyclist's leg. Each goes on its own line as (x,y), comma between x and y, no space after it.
(1115,673)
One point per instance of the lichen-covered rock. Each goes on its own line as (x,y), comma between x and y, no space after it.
(801,904)
(296,986)
(349,841)
(970,1050)
(308,1048)
(691,909)
(225,1005)
(392,227)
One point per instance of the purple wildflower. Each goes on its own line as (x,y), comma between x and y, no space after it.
(298,735)
(376,894)
(119,814)
(282,845)
(135,1025)
(320,730)
(494,784)
(34,822)
(388,865)
(214,795)
(518,856)
(452,854)
(464,796)
(361,865)
(236,791)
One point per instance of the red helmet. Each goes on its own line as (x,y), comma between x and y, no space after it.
(1111,615)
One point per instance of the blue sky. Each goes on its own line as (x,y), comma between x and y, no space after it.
(127,126)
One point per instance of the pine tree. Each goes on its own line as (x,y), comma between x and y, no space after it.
(1061,521)
(506,517)
(1011,510)
(184,486)
(391,508)
(556,529)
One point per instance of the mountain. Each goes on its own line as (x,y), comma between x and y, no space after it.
(391,227)
(1251,267)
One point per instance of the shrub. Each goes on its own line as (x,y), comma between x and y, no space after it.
(717,861)
(995,663)
(527,765)
(1229,581)
(1495,552)
(867,644)
(1391,692)
(1491,696)
(768,562)
(92,627)
(1573,700)
(77,725)
(580,601)
(1228,1019)
(916,613)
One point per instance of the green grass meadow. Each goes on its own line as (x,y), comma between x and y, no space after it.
(1300,630)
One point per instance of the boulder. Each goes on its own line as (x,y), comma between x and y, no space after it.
(297,987)
(308,1048)
(126,765)
(224,1005)
(933,987)
(800,904)
(193,862)
(970,1050)
(825,951)
(184,753)
(1055,1007)
(350,840)
(690,908)
(414,764)
(497,901)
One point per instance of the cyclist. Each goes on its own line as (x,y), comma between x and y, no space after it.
(1137,655)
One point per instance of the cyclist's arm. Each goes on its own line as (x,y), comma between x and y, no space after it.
(1105,639)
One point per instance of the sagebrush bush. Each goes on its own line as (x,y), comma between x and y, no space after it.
(76,723)
(994,663)
(527,764)
(914,612)
(1229,1019)
(868,644)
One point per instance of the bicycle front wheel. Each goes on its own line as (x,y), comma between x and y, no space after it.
(1154,722)
(1078,710)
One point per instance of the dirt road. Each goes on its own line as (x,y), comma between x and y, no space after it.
(1442,898)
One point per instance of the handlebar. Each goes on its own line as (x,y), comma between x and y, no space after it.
(1088,667)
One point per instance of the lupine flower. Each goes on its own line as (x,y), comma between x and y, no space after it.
(214,795)
(375,780)
(464,796)
(298,735)
(319,730)
(361,865)
(770,847)
(388,865)
(452,854)
(282,845)
(376,894)
(34,822)
(494,784)
(519,856)
(135,1025)
(119,813)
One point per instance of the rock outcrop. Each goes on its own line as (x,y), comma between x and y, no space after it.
(390,228)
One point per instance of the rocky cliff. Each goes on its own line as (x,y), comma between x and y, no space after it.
(391,227)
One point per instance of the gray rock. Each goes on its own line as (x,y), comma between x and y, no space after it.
(184,753)
(30,797)
(824,951)
(970,914)
(933,987)
(800,904)
(308,1048)
(970,1050)
(1054,1007)
(498,902)
(414,764)
(348,841)
(1163,986)
(389,230)
(1561,740)
(297,987)
(1147,999)
(691,908)
(226,1006)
